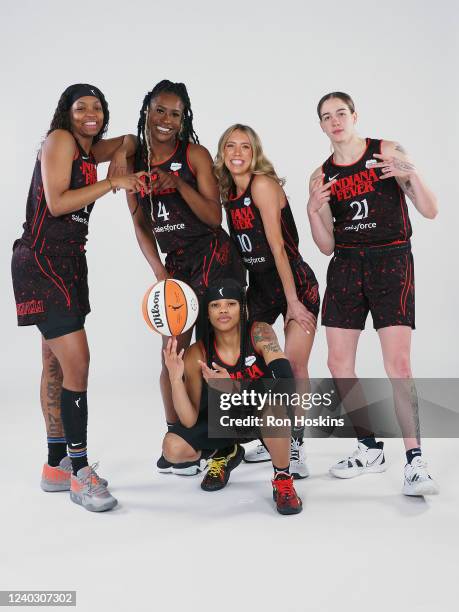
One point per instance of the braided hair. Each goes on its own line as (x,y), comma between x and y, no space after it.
(187,133)
(206,331)
(61,117)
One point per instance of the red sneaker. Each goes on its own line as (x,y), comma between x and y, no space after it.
(284,494)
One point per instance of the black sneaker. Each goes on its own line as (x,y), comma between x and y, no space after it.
(163,465)
(220,468)
(189,468)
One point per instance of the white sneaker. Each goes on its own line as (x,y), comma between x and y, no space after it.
(257,455)
(298,467)
(417,479)
(363,460)
(190,468)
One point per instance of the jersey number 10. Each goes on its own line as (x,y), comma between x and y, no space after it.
(244,242)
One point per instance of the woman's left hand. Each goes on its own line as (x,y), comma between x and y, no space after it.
(164,180)
(216,371)
(394,167)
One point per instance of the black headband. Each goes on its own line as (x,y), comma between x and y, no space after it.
(223,293)
(74,92)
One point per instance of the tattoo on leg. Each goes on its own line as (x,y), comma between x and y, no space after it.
(415,405)
(51,389)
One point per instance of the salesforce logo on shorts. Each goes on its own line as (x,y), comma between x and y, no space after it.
(360,226)
(169,227)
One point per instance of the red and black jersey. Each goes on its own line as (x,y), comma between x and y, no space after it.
(174,223)
(66,234)
(246,228)
(254,367)
(366,210)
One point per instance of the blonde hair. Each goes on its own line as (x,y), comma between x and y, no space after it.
(260,163)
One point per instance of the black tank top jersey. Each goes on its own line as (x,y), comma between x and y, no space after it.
(246,228)
(254,367)
(66,234)
(366,210)
(174,223)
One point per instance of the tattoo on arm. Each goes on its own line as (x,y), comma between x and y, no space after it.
(398,147)
(271,347)
(264,334)
(407,188)
(406,166)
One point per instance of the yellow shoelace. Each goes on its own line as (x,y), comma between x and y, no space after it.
(216,466)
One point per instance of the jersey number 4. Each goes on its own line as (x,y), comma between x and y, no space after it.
(162,212)
(361,209)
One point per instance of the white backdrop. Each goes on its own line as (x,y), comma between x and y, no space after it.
(264,63)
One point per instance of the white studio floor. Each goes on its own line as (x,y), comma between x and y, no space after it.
(170,546)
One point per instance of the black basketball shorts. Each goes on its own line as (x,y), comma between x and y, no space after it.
(50,292)
(266,298)
(371,279)
(206,262)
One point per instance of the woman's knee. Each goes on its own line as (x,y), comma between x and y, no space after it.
(398,366)
(76,372)
(176,449)
(300,370)
(341,365)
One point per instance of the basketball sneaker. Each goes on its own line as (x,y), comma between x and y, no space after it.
(58,478)
(220,468)
(418,480)
(257,455)
(298,467)
(189,468)
(284,494)
(164,466)
(364,460)
(88,490)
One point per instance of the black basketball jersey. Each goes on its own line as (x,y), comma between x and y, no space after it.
(366,210)
(66,234)
(254,366)
(246,228)
(174,223)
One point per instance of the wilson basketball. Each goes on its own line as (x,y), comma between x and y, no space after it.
(170,307)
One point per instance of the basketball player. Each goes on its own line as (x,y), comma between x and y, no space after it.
(280,282)
(182,211)
(358,213)
(229,345)
(50,277)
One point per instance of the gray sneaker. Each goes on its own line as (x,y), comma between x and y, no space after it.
(89,491)
(58,478)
